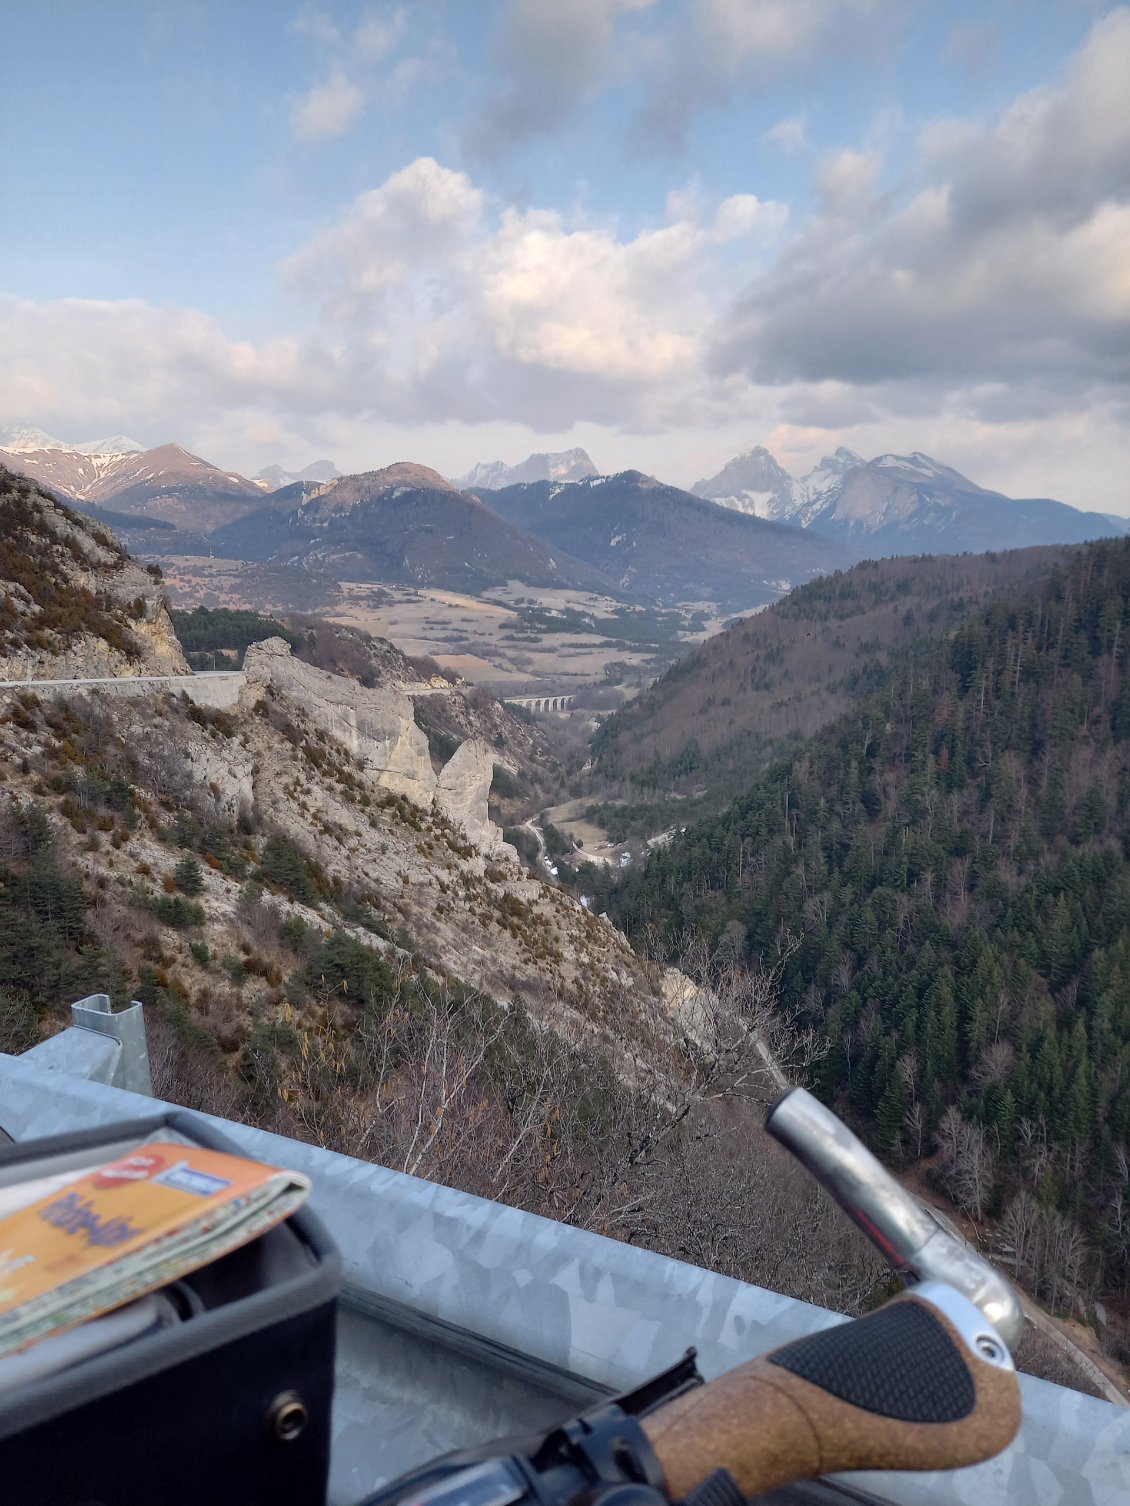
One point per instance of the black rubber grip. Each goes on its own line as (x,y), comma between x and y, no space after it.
(900,1363)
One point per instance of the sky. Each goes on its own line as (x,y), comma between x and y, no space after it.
(453,231)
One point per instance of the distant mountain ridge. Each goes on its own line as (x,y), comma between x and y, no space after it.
(564,465)
(755,483)
(656,541)
(20,438)
(274,476)
(898,504)
(403,523)
(167,482)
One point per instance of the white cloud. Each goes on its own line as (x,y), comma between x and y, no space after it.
(524,313)
(379,33)
(418,220)
(791,135)
(981,312)
(330,109)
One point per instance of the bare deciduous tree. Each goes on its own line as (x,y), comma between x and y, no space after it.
(966,1161)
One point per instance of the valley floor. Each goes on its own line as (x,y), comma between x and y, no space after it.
(517,640)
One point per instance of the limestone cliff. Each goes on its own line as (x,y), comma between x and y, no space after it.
(375,725)
(462,788)
(377,728)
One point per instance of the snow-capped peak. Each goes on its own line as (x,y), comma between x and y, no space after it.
(562,465)
(117,444)
(919,464)
(24,439)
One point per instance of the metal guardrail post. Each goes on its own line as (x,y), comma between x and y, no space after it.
(119,1058)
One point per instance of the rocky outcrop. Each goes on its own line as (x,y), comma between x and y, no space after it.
(462,790)
(73,604)
(376,726)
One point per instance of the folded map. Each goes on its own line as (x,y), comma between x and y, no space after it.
(100,1238)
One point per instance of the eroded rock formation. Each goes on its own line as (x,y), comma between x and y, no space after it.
(376,726)
(378,729)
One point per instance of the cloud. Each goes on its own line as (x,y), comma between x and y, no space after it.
(448,303)
(1055,152)
(1004,262)
(790,135)
(426,301)
(974,46)
(720,48)
(417,221)
(333,107)
(549,60)
(379,33)
(330,109)
(846,182)
(740,32)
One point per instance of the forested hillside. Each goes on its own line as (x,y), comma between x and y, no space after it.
(758,690)
(947,869)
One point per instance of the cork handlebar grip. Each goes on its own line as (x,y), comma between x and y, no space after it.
(924,1383)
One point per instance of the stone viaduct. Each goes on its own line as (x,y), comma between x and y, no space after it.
(538,703)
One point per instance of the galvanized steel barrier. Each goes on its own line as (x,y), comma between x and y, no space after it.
(464,1319)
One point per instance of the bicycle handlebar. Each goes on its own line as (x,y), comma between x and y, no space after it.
(924,1383)
(907,1236)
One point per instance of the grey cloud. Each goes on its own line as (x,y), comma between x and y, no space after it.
(827,405)
(549,59)
(1007,263)
(719,48)
(1056,152)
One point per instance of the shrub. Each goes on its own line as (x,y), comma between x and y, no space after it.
(349,970)
(174,910)
(187,875)
(505,785)
(283,864)
(19,1022)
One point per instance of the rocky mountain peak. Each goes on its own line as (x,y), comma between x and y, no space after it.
(559,465)
(20,438)
(753,483)
(24,438)
(345,493)
(842,459)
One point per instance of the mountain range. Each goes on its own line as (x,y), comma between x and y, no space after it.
(627,534)
(167,482)
(271,477)
(655,541)
(404,523)
(898,504)
(564,465)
